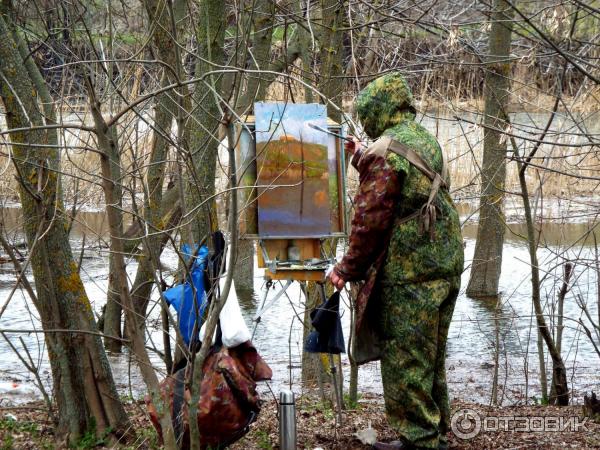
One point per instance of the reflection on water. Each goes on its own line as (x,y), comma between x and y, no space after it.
(553,234)
(558,222)
(279,335)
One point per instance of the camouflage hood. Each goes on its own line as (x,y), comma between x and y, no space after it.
(383,103)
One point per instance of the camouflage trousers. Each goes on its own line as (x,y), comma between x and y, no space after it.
(415,321)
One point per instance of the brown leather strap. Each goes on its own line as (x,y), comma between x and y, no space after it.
(408,218)
(416,160)
(428,212)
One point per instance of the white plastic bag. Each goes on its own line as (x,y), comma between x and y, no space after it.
(233,327)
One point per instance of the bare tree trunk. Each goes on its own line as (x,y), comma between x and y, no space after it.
(495,380)
(263,14)
(164,43)
(568,271)
(244,269)
(331,81)
(161,211)
(113,311)
(83,385)
(487,260)
(204,121)
(597,264)
(111,182)
(217,304)
(200,132)
(312,366)
(542,364)
(304,42)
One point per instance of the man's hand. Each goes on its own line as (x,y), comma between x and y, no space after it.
(336,280)
(352,145)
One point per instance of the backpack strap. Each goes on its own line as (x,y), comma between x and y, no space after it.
(417,160)
(428,212)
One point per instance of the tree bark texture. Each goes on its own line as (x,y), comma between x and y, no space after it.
(155,219)
(487,259)
(204,121)
(263,14)
(83,386)
(111,178)
(112,312)
(331,80)
(560,387)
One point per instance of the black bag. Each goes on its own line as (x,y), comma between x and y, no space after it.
(328,336)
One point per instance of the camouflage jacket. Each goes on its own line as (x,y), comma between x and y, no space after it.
(384,249)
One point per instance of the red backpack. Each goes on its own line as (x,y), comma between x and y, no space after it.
(228,403)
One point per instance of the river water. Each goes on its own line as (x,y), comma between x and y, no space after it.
(475,325)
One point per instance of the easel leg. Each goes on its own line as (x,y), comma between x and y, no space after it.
(262,305)
(333,369)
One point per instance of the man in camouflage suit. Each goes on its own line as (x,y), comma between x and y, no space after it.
(410,253)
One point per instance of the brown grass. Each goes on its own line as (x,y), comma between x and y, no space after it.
(562,162)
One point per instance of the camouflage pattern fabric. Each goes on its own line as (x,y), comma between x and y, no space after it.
(228,400)
(415,322)
(382,103)
(411,279)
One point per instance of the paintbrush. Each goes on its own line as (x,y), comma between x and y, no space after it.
(323,130)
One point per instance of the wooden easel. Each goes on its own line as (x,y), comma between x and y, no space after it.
(272,256)
(300,273)
(272,252)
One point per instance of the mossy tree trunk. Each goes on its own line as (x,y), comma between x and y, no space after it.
(487,260)
(263,15)
(83,387)
(203,124)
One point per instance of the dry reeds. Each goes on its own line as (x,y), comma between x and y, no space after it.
(564,165)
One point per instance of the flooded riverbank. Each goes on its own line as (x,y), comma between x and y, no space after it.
(479,329)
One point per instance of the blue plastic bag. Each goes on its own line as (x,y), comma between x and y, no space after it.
(181,297)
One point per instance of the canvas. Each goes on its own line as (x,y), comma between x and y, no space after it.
(292,170)
(334,155)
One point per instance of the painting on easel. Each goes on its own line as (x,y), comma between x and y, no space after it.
(293,170)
